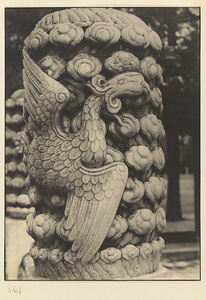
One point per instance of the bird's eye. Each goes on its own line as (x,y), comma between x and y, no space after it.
(121,81)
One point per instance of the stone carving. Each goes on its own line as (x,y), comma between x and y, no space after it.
(17,201)
(92,148)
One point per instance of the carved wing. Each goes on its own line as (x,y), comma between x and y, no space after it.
(43,93)
(91,208)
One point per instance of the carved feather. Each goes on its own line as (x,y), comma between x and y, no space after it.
(43,93)
(56,161)
(90,219)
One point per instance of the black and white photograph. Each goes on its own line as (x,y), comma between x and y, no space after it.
(102,167)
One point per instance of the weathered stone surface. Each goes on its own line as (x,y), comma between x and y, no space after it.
(92,109)
(18,205)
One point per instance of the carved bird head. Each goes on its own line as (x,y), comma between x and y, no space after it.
(129,83)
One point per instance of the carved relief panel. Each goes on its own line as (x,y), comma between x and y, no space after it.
(92,110)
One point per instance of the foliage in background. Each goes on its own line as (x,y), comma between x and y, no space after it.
(19,22)
(177,27)
(179,31)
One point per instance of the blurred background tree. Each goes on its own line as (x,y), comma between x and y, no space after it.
(178,28)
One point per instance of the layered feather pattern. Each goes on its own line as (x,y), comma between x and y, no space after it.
(57,161)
